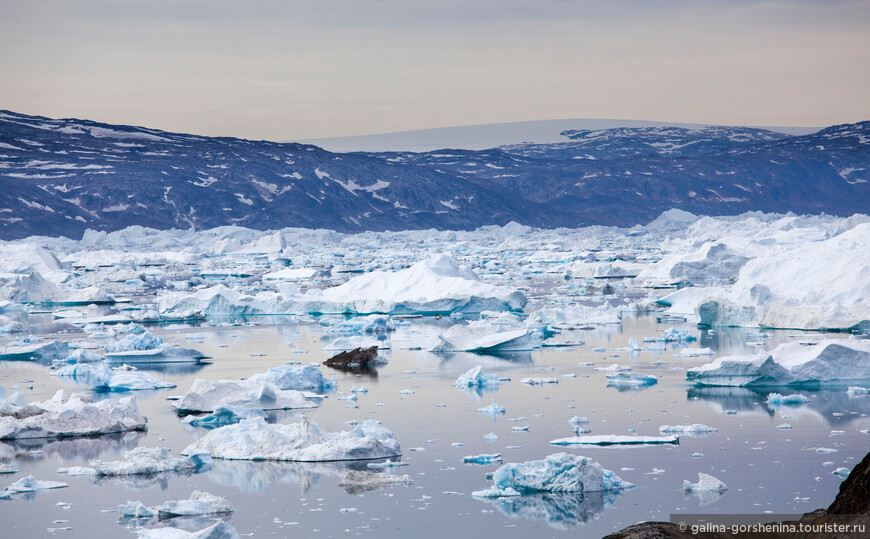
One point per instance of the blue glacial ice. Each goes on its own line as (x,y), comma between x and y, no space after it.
(102,377)
(298,377)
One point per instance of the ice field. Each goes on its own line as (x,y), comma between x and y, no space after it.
(526,381)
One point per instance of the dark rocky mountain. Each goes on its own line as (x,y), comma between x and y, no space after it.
(61,177)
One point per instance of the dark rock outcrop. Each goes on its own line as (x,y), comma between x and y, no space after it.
(356,358)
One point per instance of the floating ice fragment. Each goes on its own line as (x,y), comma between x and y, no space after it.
(493,410)
(616,439)
(708,488)
(825,450)
(775,399)
(559,472)
(207,396)
(298,377)
(136,510)
(221,530)
(29,484)
(856,391)
(494,458)
(254,439)
(199,503)
(102,377)
(841,472)
(474,378)
(223,416)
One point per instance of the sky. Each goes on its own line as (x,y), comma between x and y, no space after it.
(298,69)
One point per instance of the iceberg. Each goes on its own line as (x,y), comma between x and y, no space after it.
(64,417)
(829,362)
(482,336)
(373,324)
(147,348)
(102,377)
(474,378)
(814,285)
(290,274)
(494,458)
(254,439)
(199,503)
(435,285)
(631,380)
(493,410)
(706,483)
(857,391)
(796,399)
(298,377)
(141,461)
(695,431)
(136,510)
(209,395)
(575,316)
(559,472)
(344,344)
(616,439)
(29,484)
(34,349)
(694,352)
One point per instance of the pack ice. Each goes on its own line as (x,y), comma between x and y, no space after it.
(559,472)
(62,417)
(304,441)
(209,395)
(829,362)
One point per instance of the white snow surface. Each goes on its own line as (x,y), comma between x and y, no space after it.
(304,441)
(481,336)
(706,483)
(138,461)
(298,377)
(221,530)
(199,503)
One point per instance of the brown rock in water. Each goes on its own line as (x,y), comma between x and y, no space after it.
(358,357)
(850,507)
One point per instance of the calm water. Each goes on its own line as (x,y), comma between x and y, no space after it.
(767,469)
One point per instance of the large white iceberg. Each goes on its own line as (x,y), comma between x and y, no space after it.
(816,285)
(559,472)
(435,285)
(304,441)
(102,377)
(74,416)
(209,395)
(829,362)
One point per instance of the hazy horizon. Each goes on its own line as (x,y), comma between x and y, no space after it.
(307,70)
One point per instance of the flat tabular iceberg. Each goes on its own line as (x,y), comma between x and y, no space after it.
(830,362)
(141,461)
(559,472)
(74,416)
(695,431)
(482,336)
(221,530)
(616,439)
(254,439)
(209,395)
(147,348)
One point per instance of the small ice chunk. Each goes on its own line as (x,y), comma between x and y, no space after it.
(494,458)
(474,378)
(796,399)
(695,431)
(199,503)
(29,484)
(539,381)
(493,410)
(841,472)
(136,509)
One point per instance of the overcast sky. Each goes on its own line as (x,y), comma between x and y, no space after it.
(296,69)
